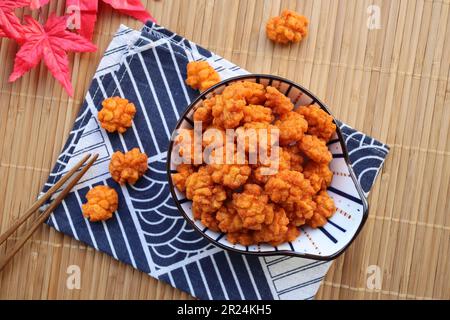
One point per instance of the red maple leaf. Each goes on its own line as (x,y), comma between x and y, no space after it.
(9,23)
(49,43)
(87,11)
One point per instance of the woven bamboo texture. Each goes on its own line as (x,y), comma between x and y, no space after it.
(392,83)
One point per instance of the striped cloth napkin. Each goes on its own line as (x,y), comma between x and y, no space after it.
(148,67)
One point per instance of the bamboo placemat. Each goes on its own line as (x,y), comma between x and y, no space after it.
(392,83)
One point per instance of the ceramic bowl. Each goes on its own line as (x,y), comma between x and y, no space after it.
(324,243)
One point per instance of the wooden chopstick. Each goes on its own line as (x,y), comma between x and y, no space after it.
(42,200)
(44,216)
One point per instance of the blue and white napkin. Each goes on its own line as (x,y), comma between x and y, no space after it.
(148,67)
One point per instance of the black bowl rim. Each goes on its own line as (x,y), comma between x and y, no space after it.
(271,78)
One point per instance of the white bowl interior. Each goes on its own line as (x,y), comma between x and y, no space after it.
(321,242)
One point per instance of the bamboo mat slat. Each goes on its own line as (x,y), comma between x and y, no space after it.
(391,83)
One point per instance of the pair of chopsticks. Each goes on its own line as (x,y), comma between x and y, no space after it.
(46,214)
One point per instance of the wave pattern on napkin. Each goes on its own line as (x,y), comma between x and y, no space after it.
(148,232)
